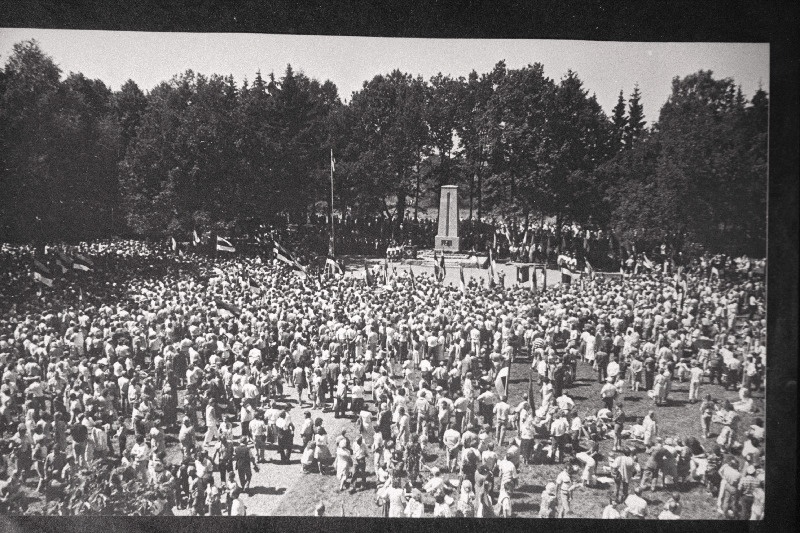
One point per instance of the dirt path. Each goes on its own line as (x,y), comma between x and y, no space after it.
(276,483)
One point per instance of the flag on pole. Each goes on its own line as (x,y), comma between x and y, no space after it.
(501,382)
(174,244)
(82,263)
(42,274)
(195,238)
(64,262)
(461,279)
(224,245)
(283,255)
(333,162)
(646,262)
(491,270)
(252,285)
(531,393)
(233,309)
(333,267)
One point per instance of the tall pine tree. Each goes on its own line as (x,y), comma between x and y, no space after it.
(619,123)
(634,129)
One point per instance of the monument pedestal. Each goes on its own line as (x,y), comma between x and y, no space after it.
(447,236)
(446,244)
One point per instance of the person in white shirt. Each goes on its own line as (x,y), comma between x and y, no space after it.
(486,402)
(547,392)
(212,423)
(506,473)
(414,507)
(695,378)
(238,508)
(670,512)
(435,484)
(565,403)
(564,489)
(559,431)
(501,410)
(608,393)
(258,429)
(612,369)
(610,510)
(489,457)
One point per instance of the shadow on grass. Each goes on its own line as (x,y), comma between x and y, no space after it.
(523,507)
(674,402)
(273,491)
(279,462)
(530,489)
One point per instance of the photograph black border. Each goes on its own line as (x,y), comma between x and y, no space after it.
(775,23)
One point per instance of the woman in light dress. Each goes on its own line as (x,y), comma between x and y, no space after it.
(321,451)
(365,428)
(344,463)
(650,428)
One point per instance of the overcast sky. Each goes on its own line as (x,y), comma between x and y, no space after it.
(604,67)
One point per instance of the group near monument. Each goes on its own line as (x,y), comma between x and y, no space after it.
(471,295)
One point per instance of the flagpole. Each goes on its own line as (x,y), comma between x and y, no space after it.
(333,240)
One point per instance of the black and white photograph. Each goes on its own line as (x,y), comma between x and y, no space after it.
(286,275)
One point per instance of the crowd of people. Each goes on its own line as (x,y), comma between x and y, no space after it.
(106,367)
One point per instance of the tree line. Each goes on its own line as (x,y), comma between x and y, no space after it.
(203,152)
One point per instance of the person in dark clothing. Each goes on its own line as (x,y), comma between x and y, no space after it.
(649,372)
(558,380)
(715,364)
(243,460)
(385,423)
(285,439)
(224,457)
(601,360)
(79,434)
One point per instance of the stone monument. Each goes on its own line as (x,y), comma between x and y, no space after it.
(447,236)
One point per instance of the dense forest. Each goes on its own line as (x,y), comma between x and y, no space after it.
(79,160)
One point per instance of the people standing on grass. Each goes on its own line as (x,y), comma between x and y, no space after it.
(232,365)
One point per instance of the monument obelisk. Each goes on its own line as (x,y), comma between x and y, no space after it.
(447,236)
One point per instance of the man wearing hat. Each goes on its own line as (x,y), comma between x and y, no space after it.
(244,462)
(729,487)
(748,485)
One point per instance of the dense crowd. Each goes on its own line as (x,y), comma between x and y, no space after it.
(102,370)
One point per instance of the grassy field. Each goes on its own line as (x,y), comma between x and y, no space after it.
(679,418)
(285,490)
